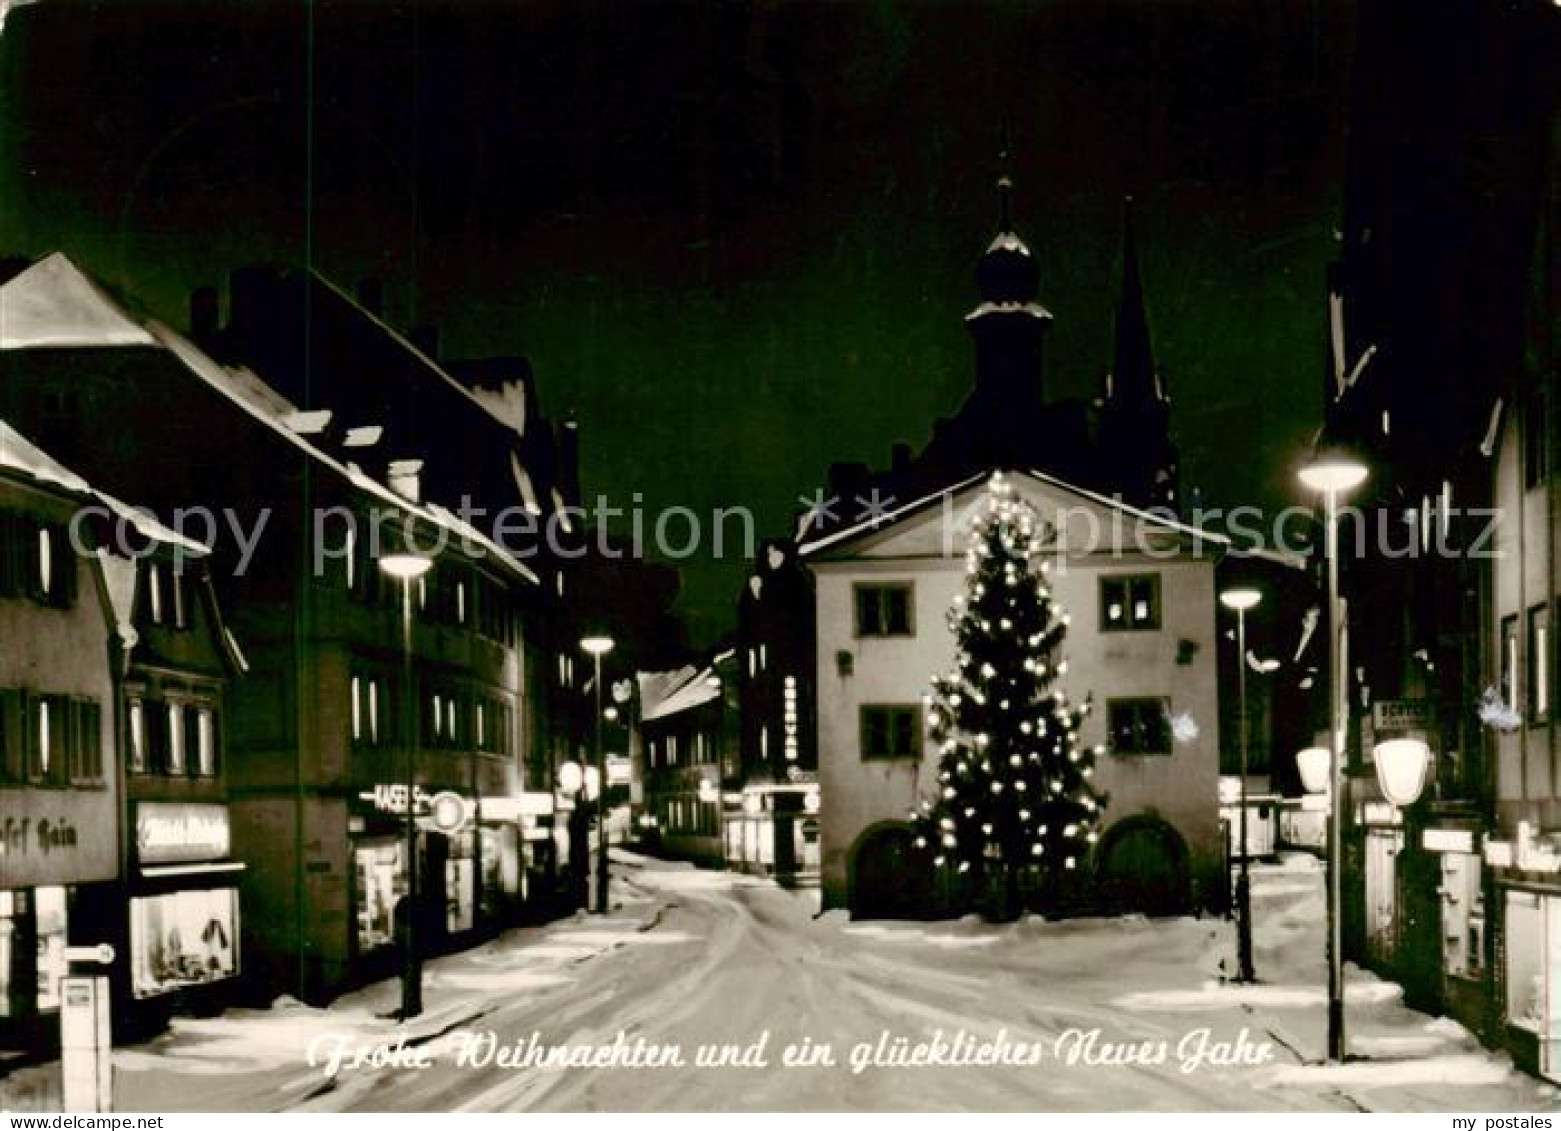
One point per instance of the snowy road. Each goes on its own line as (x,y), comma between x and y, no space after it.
(691,959)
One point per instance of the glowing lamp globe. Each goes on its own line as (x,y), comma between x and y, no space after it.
(405,567)
(1314,763)
(570,777)
(1333,473)
(1240,600)
(1401,769)
(597,645)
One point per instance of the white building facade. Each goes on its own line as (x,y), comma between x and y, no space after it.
(1141,645)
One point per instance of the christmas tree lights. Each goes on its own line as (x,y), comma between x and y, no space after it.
(1014,795)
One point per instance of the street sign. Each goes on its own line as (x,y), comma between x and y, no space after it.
(102,954)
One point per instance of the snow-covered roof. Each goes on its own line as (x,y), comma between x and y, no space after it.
(1033,309)
(891,517)
(53,304)
(664,694)
(21,458)
(1008,241)
(56,283)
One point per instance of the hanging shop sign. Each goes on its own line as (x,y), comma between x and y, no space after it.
(168,832)
(391,797)
(1401,715)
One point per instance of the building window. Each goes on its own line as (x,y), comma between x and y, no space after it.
(154,592)
(1130,603)
(173,750)
(1539,663)
(891,732)
(13,736)
(1509,661)
(882,610)
(205,742)
(135,736)
(86,743)
(1140,726)
(183,938)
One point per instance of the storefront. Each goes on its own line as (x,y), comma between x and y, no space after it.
(1452,852)
(449,866)
(772,830)
(184,910)
(58,864)
(1527,874)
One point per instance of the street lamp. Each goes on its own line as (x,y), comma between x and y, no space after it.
(599,646)
(1401,768)
(1240,601)
(407,568)
(1333,472)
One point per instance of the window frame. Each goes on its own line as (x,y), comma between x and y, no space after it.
(882,628)
(1127,581)
(1538,666)
(890,713)
(1161,706)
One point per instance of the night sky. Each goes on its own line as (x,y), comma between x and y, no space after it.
(736,239)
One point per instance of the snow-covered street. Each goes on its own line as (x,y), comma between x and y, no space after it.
(692,958)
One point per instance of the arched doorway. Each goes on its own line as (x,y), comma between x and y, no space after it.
(1142,865)
(889,878)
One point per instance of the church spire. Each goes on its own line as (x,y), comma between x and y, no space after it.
(1132,378)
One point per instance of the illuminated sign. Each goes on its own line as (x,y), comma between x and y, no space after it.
(168,832)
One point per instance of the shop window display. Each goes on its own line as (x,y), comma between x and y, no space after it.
(183,938)
(1533,932)
(381,885)
(460,884)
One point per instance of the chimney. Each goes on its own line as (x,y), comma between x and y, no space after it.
(405,478)
(204,316)
(426,340)
(371,296)
(569,459)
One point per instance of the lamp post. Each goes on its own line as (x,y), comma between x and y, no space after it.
(407,568)
(1241,600)
(1331,474)
(599,646)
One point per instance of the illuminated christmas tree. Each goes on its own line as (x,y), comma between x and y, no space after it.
(1013,789)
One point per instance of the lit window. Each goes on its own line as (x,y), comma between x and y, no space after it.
(1539,663)
(206,743)
(175,749)
(154,592)
(357,709)
(137,727)
(1130,603)
(374,710)
(45,560)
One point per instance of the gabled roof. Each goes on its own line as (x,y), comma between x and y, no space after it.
(20,458)
(55,283)
(891,518)
(53,304)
